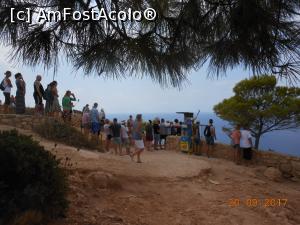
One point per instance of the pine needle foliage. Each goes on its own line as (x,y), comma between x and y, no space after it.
(261,35)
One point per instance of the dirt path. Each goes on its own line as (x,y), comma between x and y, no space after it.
(172,189)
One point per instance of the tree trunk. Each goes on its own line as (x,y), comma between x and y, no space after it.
(257,139)
(259,133)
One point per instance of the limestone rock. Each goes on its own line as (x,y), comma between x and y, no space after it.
(286,169)
(295,179)
(98,179)
(273,174)
(214,182)
(104,180)
(296,166)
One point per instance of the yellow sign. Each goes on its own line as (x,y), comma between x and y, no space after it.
(184,146)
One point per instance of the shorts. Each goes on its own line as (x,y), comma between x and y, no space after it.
(156,139)
(149,138)
(210,140)
(236,146)
(197,141)
(108,137)
(7,98)
(247,153)
(139,144)
(117,140)
(163,137)
(86,125)
(95,128)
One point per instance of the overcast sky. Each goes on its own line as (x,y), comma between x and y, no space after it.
(131,95)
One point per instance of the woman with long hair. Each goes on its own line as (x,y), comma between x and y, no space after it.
(55,107)
(20,94)
(38,95)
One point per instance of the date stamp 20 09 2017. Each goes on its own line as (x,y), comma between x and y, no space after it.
(256,202)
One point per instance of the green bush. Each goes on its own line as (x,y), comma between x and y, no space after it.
(61,132)
(30,180)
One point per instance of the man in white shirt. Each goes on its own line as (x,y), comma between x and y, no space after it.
(246,143)
(102,114)
(163,128)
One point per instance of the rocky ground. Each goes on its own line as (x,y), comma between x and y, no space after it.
(171,188)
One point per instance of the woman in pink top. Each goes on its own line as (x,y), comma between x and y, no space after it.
(236,136)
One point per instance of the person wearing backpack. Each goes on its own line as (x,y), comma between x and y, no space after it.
(52,107)
(210,136)
(49,98)
(6,87)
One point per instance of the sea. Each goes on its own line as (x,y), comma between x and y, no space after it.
(286,141)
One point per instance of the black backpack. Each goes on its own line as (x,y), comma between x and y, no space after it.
(207,132)
(47,94)
(2,88)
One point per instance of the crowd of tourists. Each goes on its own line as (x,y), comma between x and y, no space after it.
(116,135)
(49,96)
(120,136)
(151,135)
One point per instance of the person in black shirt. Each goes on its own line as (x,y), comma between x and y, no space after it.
(149,135)
(116,136)
(179,130)
(156,132)
(173,129)
(210,136)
